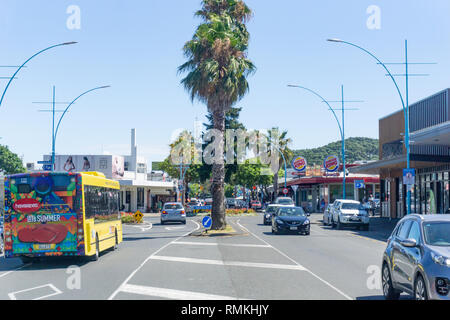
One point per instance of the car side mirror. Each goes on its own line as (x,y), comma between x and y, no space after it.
(409,243)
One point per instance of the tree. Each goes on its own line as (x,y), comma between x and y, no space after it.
(217,69)
(279,142)
(10,163)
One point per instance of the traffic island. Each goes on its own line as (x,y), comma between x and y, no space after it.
(227,232)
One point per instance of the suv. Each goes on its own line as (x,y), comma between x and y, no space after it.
(349,213)
(285,201)
(417,258)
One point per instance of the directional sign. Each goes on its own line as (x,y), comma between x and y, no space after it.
(409,177)
(207,222)
(44,162)
(47,167)
(138,216)
(359,184)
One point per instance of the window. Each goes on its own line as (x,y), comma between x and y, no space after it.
(101,204)
(103,163)
(140,197)
(404,230)
(23,188)
(414,233)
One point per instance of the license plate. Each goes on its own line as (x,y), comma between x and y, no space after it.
(294,228)
(355,219)
(44,246)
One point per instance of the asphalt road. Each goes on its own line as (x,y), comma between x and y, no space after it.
(164,262)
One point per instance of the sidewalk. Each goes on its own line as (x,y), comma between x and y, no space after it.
(383,226)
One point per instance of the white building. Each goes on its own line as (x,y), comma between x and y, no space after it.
(137,191)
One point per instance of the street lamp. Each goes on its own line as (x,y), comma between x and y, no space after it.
(405,106)
(55,132)
(17,71)
(341,129)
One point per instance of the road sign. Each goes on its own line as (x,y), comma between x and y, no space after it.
(295,188)
(207,222)
(47,167)
(409,177)
(138,216)
(285,191)
(359,184)
(44,162)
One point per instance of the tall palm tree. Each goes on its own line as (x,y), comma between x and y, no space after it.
(282,142)
(217,69)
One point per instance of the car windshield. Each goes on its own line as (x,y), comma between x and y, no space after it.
(285,201)
(437,233)
(291,212)
(271,209)
(173,206)
(352,206)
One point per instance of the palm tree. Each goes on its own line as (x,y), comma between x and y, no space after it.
(217,69)
(282,142)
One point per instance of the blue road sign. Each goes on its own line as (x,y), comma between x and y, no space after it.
(359,184)
(47,167)
(409,176)
(207,222)
(44,162)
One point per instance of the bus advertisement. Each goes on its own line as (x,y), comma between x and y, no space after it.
(60,214)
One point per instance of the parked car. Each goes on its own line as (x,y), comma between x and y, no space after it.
(255,205)
(350,213)
(290,219)
(267,217)
(173,212)
(232,203)
(286,201)
(327,215)
(417,258)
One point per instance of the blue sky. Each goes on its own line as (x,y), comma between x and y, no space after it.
(135,46)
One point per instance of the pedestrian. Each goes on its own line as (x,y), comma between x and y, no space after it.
(159,206)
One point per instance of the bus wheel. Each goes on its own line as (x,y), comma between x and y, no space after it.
(97,249)
(26,260)
(116,245)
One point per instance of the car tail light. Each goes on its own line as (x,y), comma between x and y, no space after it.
(164,212)
(182,212)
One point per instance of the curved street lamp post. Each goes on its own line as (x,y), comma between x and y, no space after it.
(405,106)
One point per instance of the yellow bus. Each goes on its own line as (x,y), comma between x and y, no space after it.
(60,214)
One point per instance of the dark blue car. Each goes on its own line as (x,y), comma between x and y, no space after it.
(290,220)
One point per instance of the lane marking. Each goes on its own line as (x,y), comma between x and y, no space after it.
(12,295)
(174,228)
(148,226)
(6,273)
(172,294)
(230,263)
(148,258)
(222,244)
(307,270)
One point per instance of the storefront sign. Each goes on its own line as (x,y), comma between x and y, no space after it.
(299,164)
(331,164)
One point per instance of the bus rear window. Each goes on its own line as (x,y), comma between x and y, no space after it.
(23,188)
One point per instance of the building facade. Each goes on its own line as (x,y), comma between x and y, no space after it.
(429,124)
(137,192)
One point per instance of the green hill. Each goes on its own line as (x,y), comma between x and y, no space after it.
(356,149)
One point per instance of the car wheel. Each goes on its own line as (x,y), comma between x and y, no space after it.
(26,260)
(389,291)
(339,224)
(420,289)
(116,245)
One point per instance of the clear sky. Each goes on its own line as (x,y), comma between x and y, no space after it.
(135,46)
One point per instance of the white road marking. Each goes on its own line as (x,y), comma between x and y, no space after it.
(222,244)
(6,273)
(146,260)
(145,227)
(12,295)
(307,270)
(172,294)
(174,228)
(230,263)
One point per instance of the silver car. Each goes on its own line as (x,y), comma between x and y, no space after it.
(173,212)
(350,213)
(417,258)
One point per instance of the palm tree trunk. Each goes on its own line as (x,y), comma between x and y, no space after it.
(218,174)
(275,186)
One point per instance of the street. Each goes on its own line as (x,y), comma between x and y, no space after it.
(164,262)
